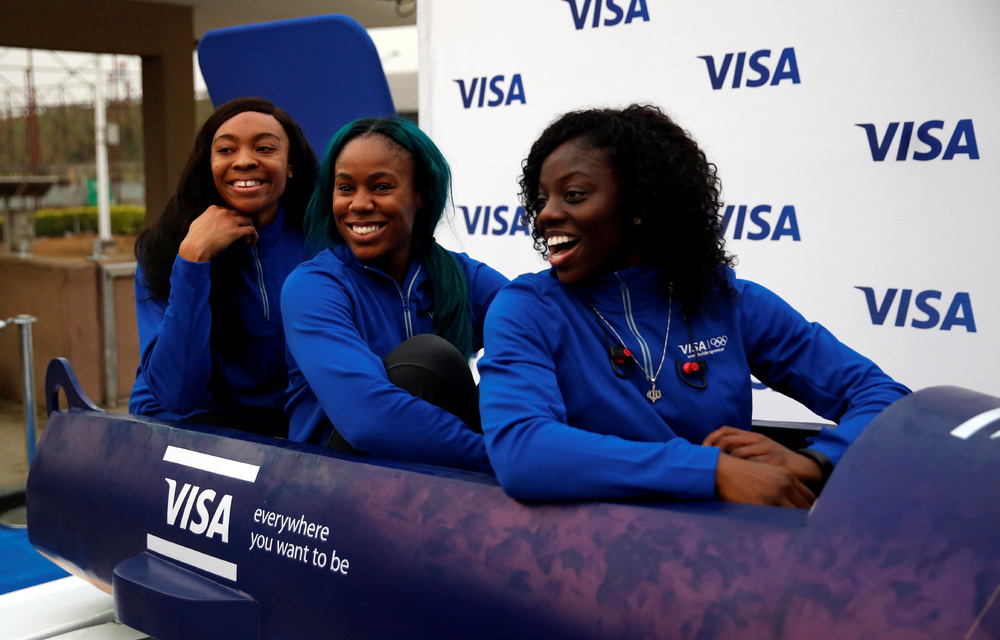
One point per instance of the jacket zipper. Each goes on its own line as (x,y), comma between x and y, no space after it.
(406,303)
(260,283)
(647,363)
(405,299)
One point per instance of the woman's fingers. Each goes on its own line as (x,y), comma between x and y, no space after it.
(754,451)
(712,439)
(802,496)
(738,480)
(731,440)
(213,231)
(251,237)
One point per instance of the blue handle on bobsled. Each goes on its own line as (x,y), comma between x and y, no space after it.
(60,376)
(170,602)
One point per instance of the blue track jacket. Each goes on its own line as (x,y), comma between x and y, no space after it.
(342,317)
(179,375)
(560,424)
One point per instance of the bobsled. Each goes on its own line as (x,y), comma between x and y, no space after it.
(210,533)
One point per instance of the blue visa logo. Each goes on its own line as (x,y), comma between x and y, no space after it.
(497,221)
(757,225)
(959,313)
(501,92)
(961,140)
(612,11)
(759,72)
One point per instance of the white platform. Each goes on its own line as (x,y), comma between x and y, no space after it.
(67,609)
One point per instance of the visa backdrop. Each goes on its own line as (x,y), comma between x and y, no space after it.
(857,143)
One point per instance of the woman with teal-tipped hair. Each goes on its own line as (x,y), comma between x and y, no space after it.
(382,321)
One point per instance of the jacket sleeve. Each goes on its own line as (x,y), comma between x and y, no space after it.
(174,336)
(806,362)
(353,389)
(536,454)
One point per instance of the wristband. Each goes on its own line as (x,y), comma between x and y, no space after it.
(825,466)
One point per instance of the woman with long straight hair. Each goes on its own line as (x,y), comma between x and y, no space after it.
(210,272)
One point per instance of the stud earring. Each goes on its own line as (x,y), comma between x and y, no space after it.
(637,221)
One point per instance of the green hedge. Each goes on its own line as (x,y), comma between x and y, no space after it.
(125,220)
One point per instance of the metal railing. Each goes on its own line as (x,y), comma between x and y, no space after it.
(24,322)
(110,273)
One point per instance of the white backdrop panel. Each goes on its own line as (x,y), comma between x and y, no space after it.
(916,229)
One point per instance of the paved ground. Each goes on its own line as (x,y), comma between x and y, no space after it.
(13,450)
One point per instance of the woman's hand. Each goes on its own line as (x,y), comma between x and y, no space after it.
(759,448)
(213,231)
(738,480)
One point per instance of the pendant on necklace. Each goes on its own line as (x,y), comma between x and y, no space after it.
(654,394)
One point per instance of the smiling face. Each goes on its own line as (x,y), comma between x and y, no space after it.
(375,201)
(578,214)
(250,164)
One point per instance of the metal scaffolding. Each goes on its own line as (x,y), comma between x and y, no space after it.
(46,114)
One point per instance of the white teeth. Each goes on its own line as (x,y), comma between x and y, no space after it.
(557,240)
(364,231)
(246,183)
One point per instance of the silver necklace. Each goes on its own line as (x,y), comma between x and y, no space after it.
(653,394)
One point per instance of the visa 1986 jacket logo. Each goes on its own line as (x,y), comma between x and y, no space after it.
(785,68)
(962,140)
(500,92)
(959,313)
(613,12)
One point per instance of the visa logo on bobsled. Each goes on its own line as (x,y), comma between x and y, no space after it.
(198,500)
(614,14)
(495,221)
(786,68)
(786,224)
(961,142)
(514,92)
(959,311)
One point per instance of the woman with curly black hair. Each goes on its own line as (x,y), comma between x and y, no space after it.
(579,398)
(210,272)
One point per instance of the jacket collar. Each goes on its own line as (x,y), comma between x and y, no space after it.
(267,237)
(345,255)
(644,285)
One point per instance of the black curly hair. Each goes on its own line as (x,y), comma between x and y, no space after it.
(664,180)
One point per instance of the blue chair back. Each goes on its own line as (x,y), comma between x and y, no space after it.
(323,70)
